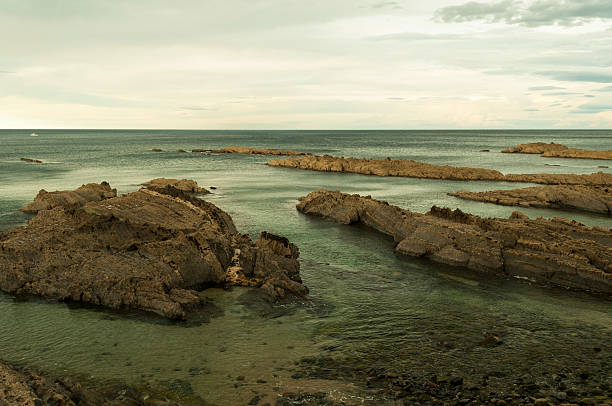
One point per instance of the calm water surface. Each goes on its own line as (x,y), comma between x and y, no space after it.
(367,303)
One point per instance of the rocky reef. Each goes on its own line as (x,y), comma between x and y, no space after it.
(234,149)
(556,251)
(553,150)
(415,169)
(594,199)
(184,185)
(153,250)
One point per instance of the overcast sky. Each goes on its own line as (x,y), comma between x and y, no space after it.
(305,64)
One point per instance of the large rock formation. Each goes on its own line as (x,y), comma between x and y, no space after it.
(234,149)
(553,150)
(558,251)
(151,250)
(414,169)
(596,199)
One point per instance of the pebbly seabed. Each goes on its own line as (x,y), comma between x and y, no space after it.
(379,329)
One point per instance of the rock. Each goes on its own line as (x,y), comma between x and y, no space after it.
(517,215)
(184,185)
(490,340)
(91,192)
(542,402)
(456,381)
(256,151)
(181,150)
(157,150)
(36,161)
(602,166)
(485,150)
(556,251)
(558,151)
(201,150)
(596,199)
(414,169)
(150,250)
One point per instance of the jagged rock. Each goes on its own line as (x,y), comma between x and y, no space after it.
(414,169)
(150,250)
(558,251)
(184,185)
(234,149)
(91,192)
(596,199)
(553,150)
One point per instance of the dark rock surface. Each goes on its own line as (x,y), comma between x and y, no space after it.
(414,169)
(595,199)
(151,250)
(554,251)
(234,149)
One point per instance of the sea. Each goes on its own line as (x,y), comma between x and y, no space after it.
(369,307)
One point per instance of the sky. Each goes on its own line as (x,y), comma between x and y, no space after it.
(315,64)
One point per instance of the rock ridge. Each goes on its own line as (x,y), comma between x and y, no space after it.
(553,150)
(415,169)
(593,199)
(556,251)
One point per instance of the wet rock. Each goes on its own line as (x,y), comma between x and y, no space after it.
(181,150)
(558,151)
(157,150)
(595,199)
(556,251)
(414,169)
(234,149)
(36,161)
(151,250)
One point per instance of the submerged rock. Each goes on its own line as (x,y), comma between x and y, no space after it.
(553,150)
(595,199)
(558,251)
(234,149)
(36,161)
(414,169)
(150,250)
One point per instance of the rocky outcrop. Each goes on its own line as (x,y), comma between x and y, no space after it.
(256,151)
(91,192)
(157,150)
(553,150)
(596,199)
(414,169)
(184,185)
(557,251)
(151,250)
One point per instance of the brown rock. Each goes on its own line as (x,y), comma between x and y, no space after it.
(201,150)
(91,192)
(181,150)
(596,199)
(602,166)
(157,150)
(557,251)
(150,250)
(36,161)
(184,185)
(558,151)
(256,151)
(414,169)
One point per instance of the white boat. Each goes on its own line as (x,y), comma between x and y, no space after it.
(33,135)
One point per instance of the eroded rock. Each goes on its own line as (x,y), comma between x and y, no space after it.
(91,192)
(553,150)
(234,149)
(152,250)
(184,185)
(414,169)
(596,199)
(558,251)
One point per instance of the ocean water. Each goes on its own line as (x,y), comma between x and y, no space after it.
(367,303)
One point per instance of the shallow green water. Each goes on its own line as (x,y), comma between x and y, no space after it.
(366,302)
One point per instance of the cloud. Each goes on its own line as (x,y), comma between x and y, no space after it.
(605,89)
(592,108)
(568,76)
(546,88)
(533,14)
(383,4)
(531,110)
(417,36)
(560,93)
(7,72)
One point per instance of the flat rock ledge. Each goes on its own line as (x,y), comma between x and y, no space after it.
(553,150)
(151,250)
(593,199)
(234,149)
(556,251)
(415,169)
